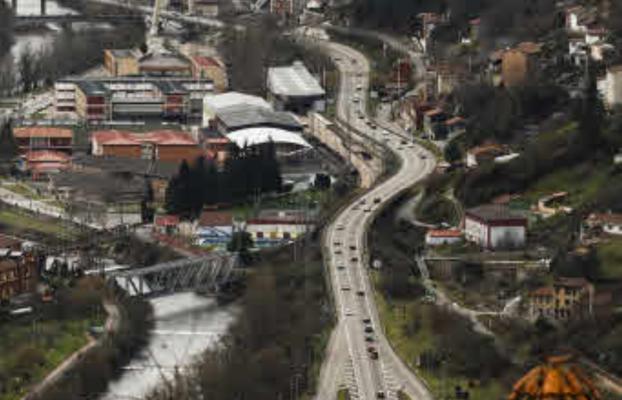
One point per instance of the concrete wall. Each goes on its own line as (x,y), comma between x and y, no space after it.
(326,132)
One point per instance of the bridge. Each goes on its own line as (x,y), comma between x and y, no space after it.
(204,274)
(70,18)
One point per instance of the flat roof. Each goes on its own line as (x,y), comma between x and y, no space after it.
(294,81)
(219,101)
(42,131)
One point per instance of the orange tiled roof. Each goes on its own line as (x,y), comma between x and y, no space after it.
(42,131)
(114,137)
(46,156)
(166,137)
(454,233)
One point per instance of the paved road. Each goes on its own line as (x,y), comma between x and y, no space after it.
(348,362)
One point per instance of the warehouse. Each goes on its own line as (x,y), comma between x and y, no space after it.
(293,88)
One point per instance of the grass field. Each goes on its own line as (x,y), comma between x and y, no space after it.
(610,257)
(18,223)
(30,349)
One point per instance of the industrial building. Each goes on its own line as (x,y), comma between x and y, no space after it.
(213,104)
(32,138)
(131,98)
(234,118)
(293,88)
(495,226)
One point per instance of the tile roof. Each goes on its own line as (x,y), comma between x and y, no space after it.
(166,137)
(114,137)
(437,233)
(46,156)
(204,61)
(42,132)
(216,218)
(495,212)
(529,47)
(166,220)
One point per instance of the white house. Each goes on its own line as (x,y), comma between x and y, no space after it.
(611,223)
(438,237)
(611,86)
(495,226)
(214,228)
(273,227)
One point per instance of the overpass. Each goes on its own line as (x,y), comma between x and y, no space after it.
(70,18)
(204,274)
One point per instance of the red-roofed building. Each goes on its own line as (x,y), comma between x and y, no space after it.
(437,237)
(41,163)
(162,145)
(166,224)
(30,138)
(210,68)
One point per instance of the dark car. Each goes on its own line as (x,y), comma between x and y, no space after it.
(369,329)
(360,293)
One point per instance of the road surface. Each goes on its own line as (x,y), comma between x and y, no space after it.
(348,361)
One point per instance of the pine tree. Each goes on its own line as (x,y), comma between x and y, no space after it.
(198,192)
(179,193)
(591,115)
(8,147)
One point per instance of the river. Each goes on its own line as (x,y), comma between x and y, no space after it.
(185,325)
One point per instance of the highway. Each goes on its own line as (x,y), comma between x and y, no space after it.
(349,363)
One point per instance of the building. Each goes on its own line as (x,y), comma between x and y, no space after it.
(293,88)
(162,145)
(434,127)
(495,227)
(215,103)
(286,142)
(449,77)
(121,62)
(33,138)
(485,153)
(131,98)
(609,223)
(166,224)
(282,8)
(210,68)
(611,86)
(235,118)
(439,237)
(206,8)
(157,173)
(559,377)
(274,227)
(40,163)
(216,145)
(519,64)
(567,298)
(18,272)
(214,228)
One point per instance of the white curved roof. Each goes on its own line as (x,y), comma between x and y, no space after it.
(260,135)
(219,101)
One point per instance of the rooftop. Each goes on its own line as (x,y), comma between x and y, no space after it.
(245,115)
(438,233)
(216,218)
(138,166)
(46,156)
(224,100)
(205,61)
(98,187)
(122,53)
(255,136)
(495,212)
(166,220)
(124,138)
(294,80)
(605,218)
(42,132)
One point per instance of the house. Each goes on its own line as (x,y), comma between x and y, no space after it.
(18,272)
(217,145)
(166,224)
(274,227)
(293,88)
(610,223)
(565,299)
(33,138)
(520,63)
(122,62)
(214,228)
(438,237)
(611,86)
(282,8)
(206,8)
(484,153)
(162,145)
(210,68)
(455,126)
(495,226)
(40,163)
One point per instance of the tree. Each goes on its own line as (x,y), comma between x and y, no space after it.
(453,152)
(6,28)
(322,181)
(179,193)
(8,147)
(270,169)
(591,116)
(26,67)
(241,242)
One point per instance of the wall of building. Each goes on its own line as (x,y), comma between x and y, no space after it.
(178,153)
(132,151)
(503,236)
(514,67)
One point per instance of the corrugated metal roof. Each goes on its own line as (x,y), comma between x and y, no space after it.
(244,115)
(255,136)
(224,100)
(293,81)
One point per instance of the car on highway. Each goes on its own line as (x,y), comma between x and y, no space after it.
(337,243)
(373,355)
(355,100)
(338,252)
(353,247)
(369,338)
(345,288)
(366,320)
(360,293)
(354,259)
(404,142)
(369,329)
(377,200)
(340,267)
(380,395)
(423,157)
(348,312)
(367,210)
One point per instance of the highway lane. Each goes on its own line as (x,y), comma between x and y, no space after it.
(345,241)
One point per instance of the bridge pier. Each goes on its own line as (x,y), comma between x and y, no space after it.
(43,7)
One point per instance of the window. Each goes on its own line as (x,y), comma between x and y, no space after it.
(259,235)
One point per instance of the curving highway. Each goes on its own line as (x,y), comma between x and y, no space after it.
(359,356)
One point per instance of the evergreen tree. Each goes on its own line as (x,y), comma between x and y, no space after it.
(212,184)
(8,147)
(179,193)
(271,170)
(198,189)
(591,115)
